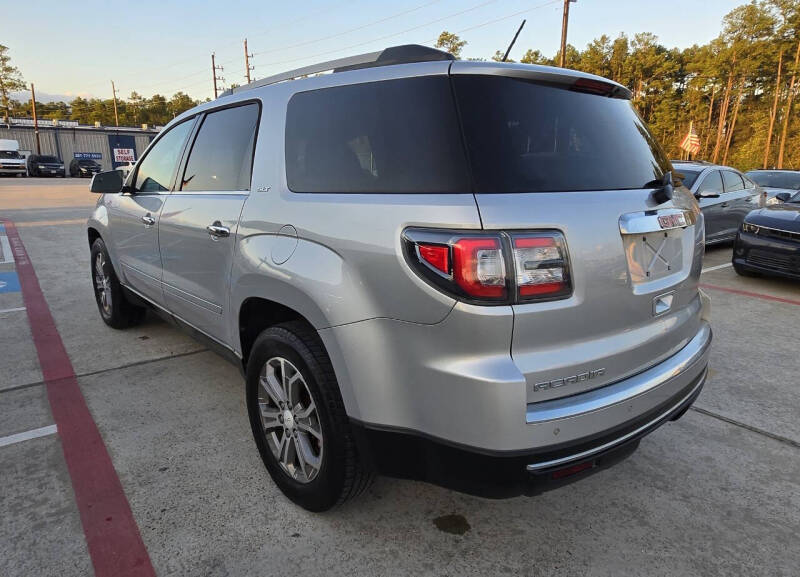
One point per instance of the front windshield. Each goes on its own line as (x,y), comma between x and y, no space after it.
(775,179)
(86,162)
(9,154)
(48,159)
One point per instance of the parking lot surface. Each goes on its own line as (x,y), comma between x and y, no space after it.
(715,493)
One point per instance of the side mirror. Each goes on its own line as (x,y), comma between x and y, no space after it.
(706,194)
(783,196)
(108,182)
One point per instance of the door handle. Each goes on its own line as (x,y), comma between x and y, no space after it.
(725,205)
(217,231)
(148,220)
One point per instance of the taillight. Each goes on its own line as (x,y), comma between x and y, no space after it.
(479,267)
(540,262)
(491,267)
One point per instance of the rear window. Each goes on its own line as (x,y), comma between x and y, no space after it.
(393,136)
(528,137)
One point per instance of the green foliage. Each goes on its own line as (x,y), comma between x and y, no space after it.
(10,79)
(451,43)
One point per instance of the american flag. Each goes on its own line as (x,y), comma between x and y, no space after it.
(691,142)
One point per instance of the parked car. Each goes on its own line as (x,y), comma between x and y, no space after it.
(80,167)
(724,194)
(523,312)
(43,165)
(775,182)
(768,242)
(11,162)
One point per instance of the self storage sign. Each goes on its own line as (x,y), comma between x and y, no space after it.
(123,149)
(124,155)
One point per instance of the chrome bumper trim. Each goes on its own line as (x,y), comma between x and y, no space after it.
(619,441)
(622,391)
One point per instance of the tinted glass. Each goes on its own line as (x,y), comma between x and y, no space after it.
(527,137)
(733,181)
(156,169)
(790,180)
(9,154)
(48,159)
(393,136)
(688,176)
(711,183)
(222,154)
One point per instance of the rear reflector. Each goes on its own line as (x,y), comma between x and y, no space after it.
(573,470)
(436,255)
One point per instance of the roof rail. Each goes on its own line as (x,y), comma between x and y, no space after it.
(405,54)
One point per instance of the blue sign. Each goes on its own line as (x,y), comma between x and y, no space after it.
(89,155)
(9,282)
(123,149)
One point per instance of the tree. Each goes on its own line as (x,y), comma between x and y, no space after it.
(451,43)
(10,80)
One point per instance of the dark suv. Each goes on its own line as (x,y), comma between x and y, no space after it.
(41,165)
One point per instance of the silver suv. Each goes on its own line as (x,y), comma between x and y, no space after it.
(472,273)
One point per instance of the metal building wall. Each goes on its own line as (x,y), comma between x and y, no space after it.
(64,142)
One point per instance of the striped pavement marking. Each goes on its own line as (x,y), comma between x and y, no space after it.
(27,435)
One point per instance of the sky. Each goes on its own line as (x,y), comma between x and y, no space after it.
(165,46)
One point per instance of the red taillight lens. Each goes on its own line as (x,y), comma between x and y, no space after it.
(436,255)
(541,265)
(479,267)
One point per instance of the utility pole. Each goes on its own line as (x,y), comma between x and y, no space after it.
(214,69)
(35,120)
(114,92)
(564,23)
(247,57)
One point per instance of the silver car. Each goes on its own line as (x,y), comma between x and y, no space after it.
(473,273)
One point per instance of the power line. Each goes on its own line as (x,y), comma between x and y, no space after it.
(344,32)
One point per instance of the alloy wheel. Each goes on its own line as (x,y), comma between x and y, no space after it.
(289,419)
(102,284)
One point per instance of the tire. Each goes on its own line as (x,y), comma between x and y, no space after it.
(119,313)
(292,348)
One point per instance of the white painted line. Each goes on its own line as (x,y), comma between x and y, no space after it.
(27,435)
(719,266)
(16,310)
(6,255)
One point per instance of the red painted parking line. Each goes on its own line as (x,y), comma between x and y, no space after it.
(112,536)
(749,294)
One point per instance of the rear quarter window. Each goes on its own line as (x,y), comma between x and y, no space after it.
(392,136)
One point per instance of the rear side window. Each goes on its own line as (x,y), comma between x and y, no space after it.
(157,168)
(393,136)
(733,181)
(222,154)
(527,137)
(711,183)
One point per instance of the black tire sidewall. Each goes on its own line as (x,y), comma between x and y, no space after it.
(122,314)
(324,490)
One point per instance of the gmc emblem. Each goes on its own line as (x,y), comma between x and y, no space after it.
(672,220)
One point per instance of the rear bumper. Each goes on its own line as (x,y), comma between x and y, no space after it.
(458,386)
